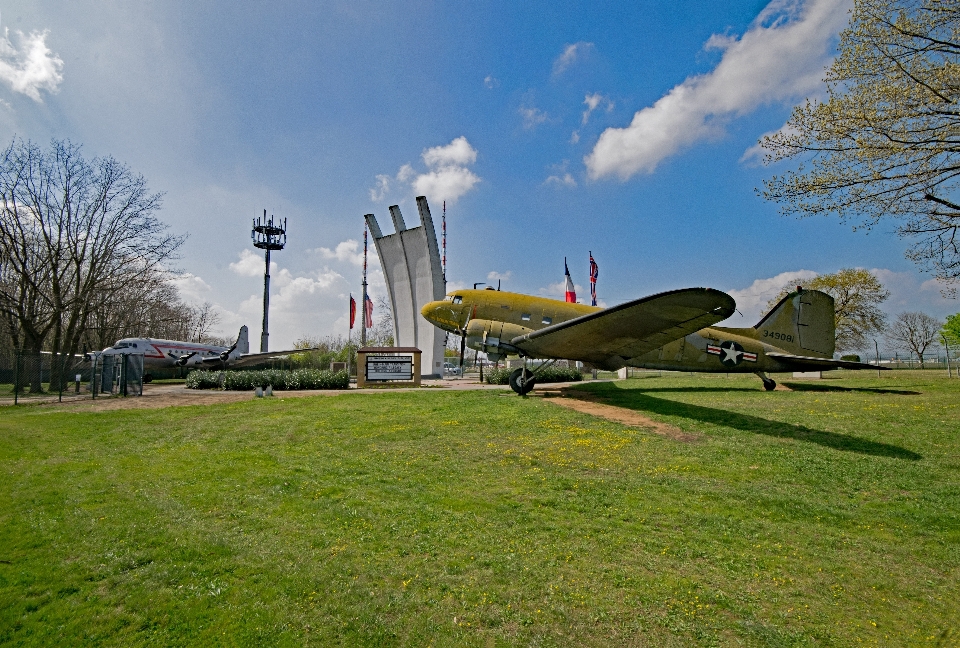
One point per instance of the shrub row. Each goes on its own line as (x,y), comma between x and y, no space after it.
(548,375)
(278,378)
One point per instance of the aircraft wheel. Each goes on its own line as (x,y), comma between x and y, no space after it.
(522,381)
(147,378)
(769,385)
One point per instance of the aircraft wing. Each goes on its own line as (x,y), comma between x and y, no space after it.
(806,363)
(609,338)
(248,359)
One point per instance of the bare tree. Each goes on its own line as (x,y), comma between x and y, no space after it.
(884,143)
(914,333)
(73,233)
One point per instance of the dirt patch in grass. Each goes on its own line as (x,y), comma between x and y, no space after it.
(158,396)
(591,404)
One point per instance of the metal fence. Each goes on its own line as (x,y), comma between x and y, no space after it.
(29,376)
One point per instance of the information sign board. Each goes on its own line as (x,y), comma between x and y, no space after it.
(389,368)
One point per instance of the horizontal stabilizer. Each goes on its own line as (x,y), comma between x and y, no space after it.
(252,358)
(806,363)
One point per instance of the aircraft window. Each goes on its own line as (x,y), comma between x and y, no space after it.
(134,345)
(121,345)
(458,299)
(548,320)
(504,307)
(448,298)
(525,317)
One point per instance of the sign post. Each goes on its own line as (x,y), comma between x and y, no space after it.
(398,366)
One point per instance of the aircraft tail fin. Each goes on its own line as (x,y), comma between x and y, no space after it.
(803,323)
(243,342)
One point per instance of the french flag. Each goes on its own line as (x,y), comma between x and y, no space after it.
(571,294)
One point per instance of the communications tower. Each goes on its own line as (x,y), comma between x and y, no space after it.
(267,236)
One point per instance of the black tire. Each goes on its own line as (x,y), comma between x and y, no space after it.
(147,378)
(769,385)
(522,381)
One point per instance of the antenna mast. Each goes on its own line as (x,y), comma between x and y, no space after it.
(443,237)
(363,316)
(267,236)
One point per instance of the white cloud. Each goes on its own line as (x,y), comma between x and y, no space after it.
(191,287)
(491,81)
(781,57)
(752,300)
(348,251)
(559,289)
(532,117)
(31,67)
(447,179)
(251,265)
(592,102)
(570,54)
(378,192)
(566,180)
(753,156)
(456,153)
(493,275)
(574,137)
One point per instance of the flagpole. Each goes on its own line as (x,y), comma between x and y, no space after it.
(363,317)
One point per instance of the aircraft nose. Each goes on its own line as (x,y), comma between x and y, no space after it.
(439,313)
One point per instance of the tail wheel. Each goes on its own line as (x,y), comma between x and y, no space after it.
(522,381)
(769,385)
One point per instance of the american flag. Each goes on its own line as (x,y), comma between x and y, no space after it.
(353,311)
(594,273)
(369,312)
(571,294)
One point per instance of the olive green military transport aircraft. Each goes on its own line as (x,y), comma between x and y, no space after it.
(672,331)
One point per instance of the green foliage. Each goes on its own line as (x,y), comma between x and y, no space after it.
(883,143)
(853,357)
(280,379)
(951,330)
(548,375)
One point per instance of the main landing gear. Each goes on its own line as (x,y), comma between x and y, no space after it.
(768,383)
(522,381)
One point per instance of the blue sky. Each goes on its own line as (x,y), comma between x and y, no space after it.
(550,128)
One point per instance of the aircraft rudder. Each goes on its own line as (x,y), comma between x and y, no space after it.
(243,341)
(803,322)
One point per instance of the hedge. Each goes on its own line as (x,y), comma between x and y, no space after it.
(548,375)
(280,379)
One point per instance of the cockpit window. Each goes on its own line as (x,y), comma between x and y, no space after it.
(448,298)
(121,345)
(457,299)
(525,317)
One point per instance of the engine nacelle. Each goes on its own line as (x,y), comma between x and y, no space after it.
(493,338)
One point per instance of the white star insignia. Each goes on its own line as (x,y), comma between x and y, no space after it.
(731,353)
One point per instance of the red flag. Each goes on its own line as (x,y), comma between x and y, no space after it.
(353,311)
(571,294)
(369,312)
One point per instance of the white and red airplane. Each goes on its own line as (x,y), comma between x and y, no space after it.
(165,354)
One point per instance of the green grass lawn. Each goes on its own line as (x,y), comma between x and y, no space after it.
(824,516)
